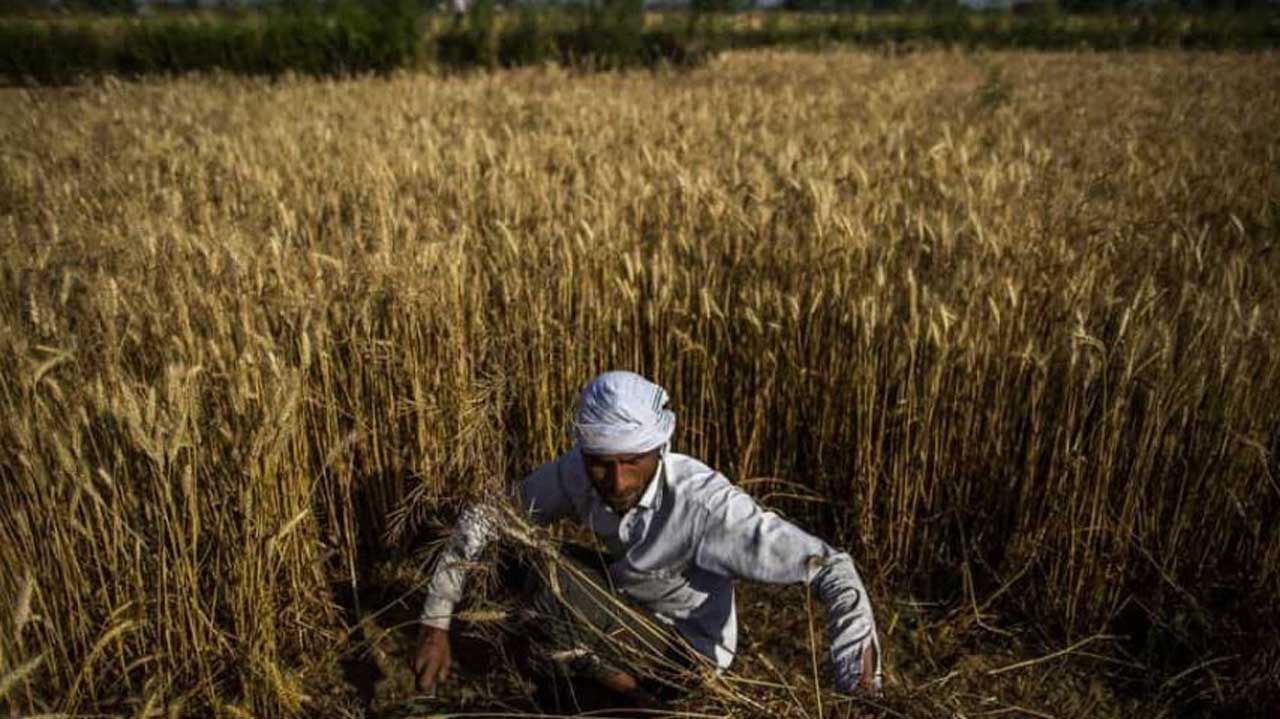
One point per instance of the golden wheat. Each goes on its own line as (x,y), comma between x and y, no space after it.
(1012,317)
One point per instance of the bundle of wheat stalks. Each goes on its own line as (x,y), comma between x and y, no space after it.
(1005,324)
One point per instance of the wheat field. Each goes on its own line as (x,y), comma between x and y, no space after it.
(1006,325)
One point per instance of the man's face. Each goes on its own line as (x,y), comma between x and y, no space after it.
(620,479)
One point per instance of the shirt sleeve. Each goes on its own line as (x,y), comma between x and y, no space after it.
(739,539)
(542,495)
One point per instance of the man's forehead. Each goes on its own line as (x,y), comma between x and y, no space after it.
(616,457)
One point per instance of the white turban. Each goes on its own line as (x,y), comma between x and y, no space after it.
(622,413)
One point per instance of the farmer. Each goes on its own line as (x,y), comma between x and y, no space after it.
(678,534)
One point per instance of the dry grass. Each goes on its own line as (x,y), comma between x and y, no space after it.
(1009,321)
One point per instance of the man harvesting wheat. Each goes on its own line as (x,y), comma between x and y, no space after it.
(677,533)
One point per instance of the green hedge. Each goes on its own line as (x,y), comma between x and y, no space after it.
(348,38)
(1048,32)
(389,34)
(606,34)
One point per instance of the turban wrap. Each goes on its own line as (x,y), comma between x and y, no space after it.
(622,413)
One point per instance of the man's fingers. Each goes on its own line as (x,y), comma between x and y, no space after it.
(431,662)
(426,676)
(427,679)
(423,679)
(867,680)
(421,657)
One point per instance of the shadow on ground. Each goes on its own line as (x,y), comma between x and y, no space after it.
(492,672)
(942,659)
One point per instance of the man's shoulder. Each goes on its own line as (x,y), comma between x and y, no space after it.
(684,469)
(691,480)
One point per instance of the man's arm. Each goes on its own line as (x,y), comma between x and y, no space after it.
(470,536)
(739,539)
(542,495)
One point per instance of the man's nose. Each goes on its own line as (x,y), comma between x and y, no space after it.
(612,475)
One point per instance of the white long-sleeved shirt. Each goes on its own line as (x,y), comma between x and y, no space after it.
(678,552)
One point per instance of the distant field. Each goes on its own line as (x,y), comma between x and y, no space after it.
(1005,323)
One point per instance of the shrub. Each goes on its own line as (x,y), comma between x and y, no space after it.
(529,42)
(472,43)
(351,37)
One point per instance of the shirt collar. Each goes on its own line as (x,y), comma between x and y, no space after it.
(653,492)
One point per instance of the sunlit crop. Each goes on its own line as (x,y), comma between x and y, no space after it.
(1006,325)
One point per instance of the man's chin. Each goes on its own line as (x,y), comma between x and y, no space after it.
(621,506)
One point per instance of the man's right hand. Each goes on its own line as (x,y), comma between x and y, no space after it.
(431,661)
